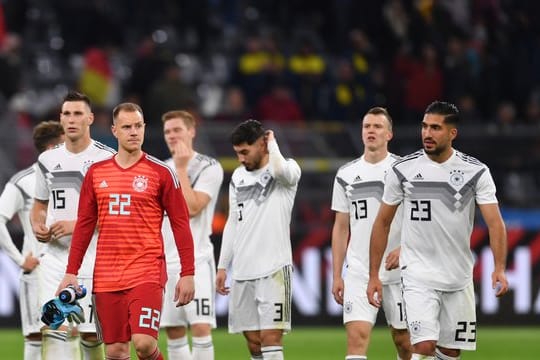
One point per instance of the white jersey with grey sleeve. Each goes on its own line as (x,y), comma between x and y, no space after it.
(358,190)
(205,175)
(17,198)
(59,181)
(256,238)
(439,206)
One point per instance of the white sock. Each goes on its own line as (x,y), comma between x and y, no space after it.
(32,349)
(178,349)
(272,352)
(422,357)
(256,357)
(57,345)
(355,357)
(203,348)
(92,350)
(440,355)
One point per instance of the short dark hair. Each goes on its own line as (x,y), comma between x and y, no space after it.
(77,96)
(248,132)
(46,133)
(127,106)
(446,109)
(378,110)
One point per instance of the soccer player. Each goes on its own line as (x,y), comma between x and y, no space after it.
(53,216)
(438,187)
(17,198)
(256,241)
(358,188)
(126,196)
(200,177)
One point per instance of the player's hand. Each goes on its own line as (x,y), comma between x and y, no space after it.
(185,290)
(269,136)
(221,277)
(392,259)
(181,154)
(41,232)
(374,291)
(337,290)
(68,280)
(62,228)
(499,283)
(30,263)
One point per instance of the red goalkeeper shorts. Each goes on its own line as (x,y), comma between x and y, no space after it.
(121,314)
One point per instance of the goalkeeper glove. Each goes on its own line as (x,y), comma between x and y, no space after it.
(54,312)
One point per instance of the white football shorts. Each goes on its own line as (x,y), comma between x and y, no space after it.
(51,274)
(261,304)
(29,303)
(447,317)
(201,310)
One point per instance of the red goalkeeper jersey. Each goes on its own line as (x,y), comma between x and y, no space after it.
(128,205)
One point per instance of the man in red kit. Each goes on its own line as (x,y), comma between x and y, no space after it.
(125,197)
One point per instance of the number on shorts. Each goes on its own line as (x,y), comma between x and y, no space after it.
(203,306)
(466,332)
(279,312)
(400,309)
(91,307)
(149,318)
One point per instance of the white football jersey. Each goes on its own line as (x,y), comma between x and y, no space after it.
(358,190)
(59,181)
(205,175)
(17,198)
(256,238)
(439,206)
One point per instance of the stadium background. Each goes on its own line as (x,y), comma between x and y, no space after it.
(329,62)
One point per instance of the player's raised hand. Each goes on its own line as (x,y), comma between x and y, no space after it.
(269,136)
(185,290)
(221,277)
(181,154)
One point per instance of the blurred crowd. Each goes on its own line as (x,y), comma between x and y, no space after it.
(293,61)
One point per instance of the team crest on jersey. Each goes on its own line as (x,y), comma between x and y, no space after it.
(415,327)
(86,166)
(347,307)
(456,177)
(140,183)
(265,178)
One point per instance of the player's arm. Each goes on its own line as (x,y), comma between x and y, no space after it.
(340,238)
(227,243)
(175,205)
(287,172)
(87,216)
(498,243)
(377,245)
(38,217)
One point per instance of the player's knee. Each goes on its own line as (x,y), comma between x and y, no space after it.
(447,354)
(144,345)
(90,337)
(117,351)
(424,348)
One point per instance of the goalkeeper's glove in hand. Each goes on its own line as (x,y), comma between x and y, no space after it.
(54,312)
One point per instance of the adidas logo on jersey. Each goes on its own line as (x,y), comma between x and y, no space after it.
(103,184)
(418,177)
(57,167)
(357,178)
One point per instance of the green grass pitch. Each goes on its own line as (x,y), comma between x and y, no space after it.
(328,343)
